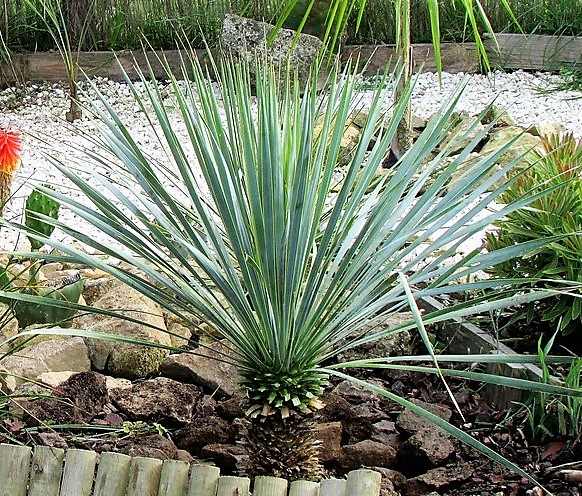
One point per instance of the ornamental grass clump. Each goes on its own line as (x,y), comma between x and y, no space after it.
(245,225)
(555,178)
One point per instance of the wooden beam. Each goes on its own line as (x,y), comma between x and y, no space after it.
(455,57)
(49,66)
(534,52)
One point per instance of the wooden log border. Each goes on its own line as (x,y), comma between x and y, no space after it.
(534,52)
(26,471)
(49,67)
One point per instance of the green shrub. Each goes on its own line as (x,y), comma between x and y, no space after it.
(557,213)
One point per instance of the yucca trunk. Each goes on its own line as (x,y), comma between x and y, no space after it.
(284,447)
(403,138)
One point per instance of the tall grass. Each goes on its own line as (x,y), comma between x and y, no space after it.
(121,24)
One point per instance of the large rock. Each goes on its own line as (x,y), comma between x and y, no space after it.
(159,400)
(203,431)
(246,39)
(77,400)
(390,344)
(411,422)
(8,323)
(520,150)
(207,369)
(122,359)
(367,453)
(51,355)
(428,448)
(465,131)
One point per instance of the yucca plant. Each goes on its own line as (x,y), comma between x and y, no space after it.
(263,244)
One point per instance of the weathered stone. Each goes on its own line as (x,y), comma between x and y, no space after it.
(520,150)
(330,435)
(150,446)
(231,457)
(410,422)
(247,39)
(546,128)
(385,432)
(391,344)
(462,134)
(503,118)
(93,289)
(437,478)
(206,371)
(122,359)
(52,355)
(397,478)
(8,323)
(77,400)
(54,379)
(179,335)
(159,399)
(366,454)
(203,431)
(427,448)
(231,408)
(358,425)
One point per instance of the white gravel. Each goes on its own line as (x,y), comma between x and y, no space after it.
(40,118)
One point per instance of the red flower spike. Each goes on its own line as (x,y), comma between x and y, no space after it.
(10,148)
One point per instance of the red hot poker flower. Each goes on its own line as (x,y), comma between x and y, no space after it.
(10,147)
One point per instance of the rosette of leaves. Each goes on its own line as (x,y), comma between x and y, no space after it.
(245,226)
(555,178)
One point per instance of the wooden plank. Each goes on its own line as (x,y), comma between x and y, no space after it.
(46,471)
(49,66)
(304,488)
(534,52)
(364,482)
(144,476)
(14,467)
(464,338)
(78,472)
(270,486)
(112,474)
(455,57)
(203,480)
(333,487)
(233,486)
(174,478)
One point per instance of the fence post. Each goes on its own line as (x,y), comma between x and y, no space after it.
(233,486)
(144,476)
(174,478)
(364,483)
(14,467)
(333,487)
(112,474)
(78,472)
(270,486)
(203,480)
(46,471)
(304,488)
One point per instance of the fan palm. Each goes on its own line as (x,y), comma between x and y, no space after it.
(251,225)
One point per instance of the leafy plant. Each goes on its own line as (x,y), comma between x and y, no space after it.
(39,208)
(550,416)
(67,28)
(265,247)
(555,178)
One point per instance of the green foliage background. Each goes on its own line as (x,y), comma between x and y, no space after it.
(119,24)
